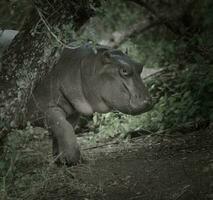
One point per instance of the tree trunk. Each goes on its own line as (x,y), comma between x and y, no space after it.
(34,51)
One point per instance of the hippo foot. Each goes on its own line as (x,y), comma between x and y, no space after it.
(69,158)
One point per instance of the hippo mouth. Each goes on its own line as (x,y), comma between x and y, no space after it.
(136,109)
(112,104)
(129,107)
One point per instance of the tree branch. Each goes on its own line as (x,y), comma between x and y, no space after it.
(167,23)
(119,38)
(140,27)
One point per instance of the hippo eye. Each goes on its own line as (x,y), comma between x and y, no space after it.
(125,72)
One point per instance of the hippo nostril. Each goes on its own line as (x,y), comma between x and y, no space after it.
(147,103)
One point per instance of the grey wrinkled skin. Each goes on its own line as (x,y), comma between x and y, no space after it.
(84,82)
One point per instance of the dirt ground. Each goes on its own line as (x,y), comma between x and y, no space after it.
(151,167)
(156,167)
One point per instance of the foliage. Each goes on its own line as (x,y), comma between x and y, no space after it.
(186,95)
(117,125)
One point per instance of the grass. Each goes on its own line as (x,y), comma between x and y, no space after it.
(28,170)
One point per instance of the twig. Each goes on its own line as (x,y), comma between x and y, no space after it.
(51,32)
(155,74)
(184,191)
(103,145)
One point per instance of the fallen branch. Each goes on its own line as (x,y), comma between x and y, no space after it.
(175,28)
(120,37)
(156,74)
(167,22)
(102,145)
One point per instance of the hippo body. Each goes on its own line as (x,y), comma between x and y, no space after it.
(85,81)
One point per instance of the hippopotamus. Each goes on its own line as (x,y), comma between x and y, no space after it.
(84,81)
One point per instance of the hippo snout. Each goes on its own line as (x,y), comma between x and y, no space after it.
(147,104)
(139,106)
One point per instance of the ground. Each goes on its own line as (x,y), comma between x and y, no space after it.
(150,167)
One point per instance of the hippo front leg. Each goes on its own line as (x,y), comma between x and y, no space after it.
(65,147)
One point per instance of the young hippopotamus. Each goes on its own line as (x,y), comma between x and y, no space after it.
(85,81)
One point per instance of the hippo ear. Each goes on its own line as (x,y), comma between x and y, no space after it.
(106,57)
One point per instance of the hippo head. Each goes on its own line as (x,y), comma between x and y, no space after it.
(113,82)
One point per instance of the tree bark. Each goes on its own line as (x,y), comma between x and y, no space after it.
(35,50)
